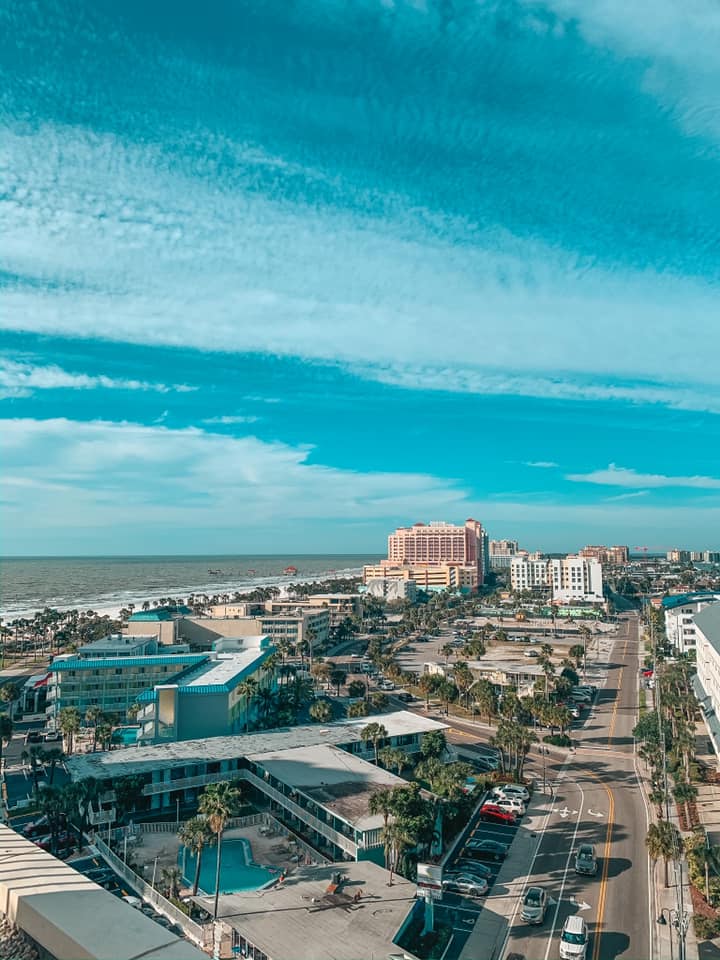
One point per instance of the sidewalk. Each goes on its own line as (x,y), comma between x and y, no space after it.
(490,933)
(665,899)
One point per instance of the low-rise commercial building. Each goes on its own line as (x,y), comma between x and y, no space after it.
(176,772)
(308,626)
(391,589)
(210,698)
(68,916)
(111,683)
(427,576)
(321,919)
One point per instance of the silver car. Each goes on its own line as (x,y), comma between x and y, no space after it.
(471,886)
(534,905)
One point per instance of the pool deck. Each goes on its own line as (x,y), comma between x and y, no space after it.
(267,851)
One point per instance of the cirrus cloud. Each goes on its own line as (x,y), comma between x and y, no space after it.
(615,476)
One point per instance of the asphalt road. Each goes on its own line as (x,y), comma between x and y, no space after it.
(598,801)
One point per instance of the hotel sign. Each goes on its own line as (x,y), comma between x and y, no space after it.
(429,881)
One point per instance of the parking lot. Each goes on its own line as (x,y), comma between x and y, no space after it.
(460,911)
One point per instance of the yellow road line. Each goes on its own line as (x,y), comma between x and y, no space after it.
(604,877)
(613,717)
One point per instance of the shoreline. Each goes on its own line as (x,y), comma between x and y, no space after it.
(111,606)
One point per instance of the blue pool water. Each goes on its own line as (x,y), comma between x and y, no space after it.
(237,869)
(126,735)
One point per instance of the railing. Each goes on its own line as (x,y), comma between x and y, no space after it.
(171,826)
(185,783)
(339,839)
(149,894)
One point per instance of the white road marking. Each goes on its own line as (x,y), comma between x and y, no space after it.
(593,813)
(580,904)
(511,921)
(565,874)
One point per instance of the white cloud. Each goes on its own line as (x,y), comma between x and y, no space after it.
(133,251)
(464,379)
(231,420)
(541,464)
(125,476)
(627,496)
(19,379)
(616,476)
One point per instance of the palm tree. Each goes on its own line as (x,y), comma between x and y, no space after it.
(338,678)
(9,692)
(485,698)
(35,756)
(663,843)
(685,793)
(93,715)
(171,878)
(266,699)
(196,835)
(374,733)
(359,709)
(77,799)
(219,802)
(394,757)
(381,802)
(53,756)
(447,651)
(464,679)
(433,744)
(320,711)
(69,723)
(6,730)
(53,806)
(395,838)
(248,689)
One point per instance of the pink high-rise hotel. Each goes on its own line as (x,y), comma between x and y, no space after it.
(438,543)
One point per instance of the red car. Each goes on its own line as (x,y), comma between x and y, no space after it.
(494,813)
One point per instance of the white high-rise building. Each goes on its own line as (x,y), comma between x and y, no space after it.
(576,579)
(571,579)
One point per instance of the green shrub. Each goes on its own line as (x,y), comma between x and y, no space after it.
(558,740)
(706,928)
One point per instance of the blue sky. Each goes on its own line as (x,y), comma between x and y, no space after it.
(281,276)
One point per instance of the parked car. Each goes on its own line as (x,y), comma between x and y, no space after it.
(530,653)
(464,883)
(494,814)
(585,860)
(53,736)
(513,790)
(34,736)
(64,841)
(487,849)
(573,939)
(513,805)
(534,905)
(40,827)
(472,868)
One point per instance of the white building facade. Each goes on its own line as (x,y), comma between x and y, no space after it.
(571,579)
(680,612)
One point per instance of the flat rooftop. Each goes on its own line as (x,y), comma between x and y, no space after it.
(300,921)
(72,917)
(226,672)
(138,760)
(337,780)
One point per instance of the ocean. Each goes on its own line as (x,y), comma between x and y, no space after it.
(105,584)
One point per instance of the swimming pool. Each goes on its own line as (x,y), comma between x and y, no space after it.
(126,735)
(237,870)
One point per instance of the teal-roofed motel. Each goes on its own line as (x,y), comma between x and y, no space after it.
(180,695)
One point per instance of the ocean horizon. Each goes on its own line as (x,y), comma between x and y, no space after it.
(106,583)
